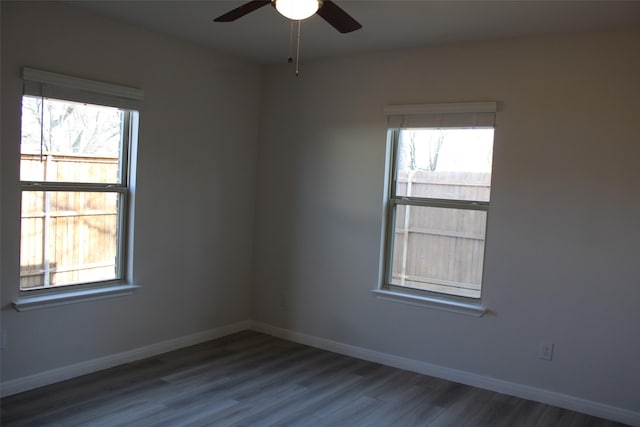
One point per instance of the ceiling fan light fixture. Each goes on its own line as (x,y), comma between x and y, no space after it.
(297,10)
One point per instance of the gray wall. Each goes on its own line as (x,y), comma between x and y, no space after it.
(562,247)
(195,182)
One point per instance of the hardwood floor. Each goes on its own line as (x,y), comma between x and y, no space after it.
(252,379)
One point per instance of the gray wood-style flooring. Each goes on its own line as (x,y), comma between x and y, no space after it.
(252,379)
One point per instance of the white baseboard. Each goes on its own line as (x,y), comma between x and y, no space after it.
(19,385)
(513,389)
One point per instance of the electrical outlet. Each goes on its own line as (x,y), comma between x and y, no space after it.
(545,350)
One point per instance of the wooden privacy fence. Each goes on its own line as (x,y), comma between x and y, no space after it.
(440,249)
(67,236)
(70,237)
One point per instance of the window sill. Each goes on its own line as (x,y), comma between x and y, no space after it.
(41,301)
(469,309)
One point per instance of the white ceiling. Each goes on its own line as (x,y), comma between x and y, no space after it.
(263,36)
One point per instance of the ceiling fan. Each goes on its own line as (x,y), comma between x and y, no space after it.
(297,10)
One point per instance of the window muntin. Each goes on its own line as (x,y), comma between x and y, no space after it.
(74,170)
(438,203)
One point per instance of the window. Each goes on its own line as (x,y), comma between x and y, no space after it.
(77,145)
(438,199)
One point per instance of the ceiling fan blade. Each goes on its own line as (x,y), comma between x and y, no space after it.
(338,18)
(239,12)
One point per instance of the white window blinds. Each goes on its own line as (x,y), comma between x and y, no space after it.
(449,115)
(59,86)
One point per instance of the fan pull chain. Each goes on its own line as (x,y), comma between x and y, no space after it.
(290,58)
(298,51)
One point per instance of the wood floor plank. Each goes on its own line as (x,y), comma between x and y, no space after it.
(349,414)
(252,379)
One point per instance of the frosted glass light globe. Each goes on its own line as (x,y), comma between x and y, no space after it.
(297,9)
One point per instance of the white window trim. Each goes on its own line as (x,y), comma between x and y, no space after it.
(69,88)
(445,108)
(443,303)
(481,113)
(71,296)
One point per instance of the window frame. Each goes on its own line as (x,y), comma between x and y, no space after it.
(128,100)
(469,115)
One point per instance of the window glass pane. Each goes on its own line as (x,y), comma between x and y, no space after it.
(445,163)
(70,142)
(68,237)
(438,249)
